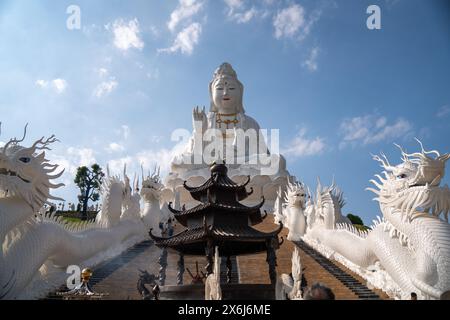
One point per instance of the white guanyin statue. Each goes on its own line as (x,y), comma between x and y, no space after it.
(226,132)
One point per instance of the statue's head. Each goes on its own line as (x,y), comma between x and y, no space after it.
(226,91)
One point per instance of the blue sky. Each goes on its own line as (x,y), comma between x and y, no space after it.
(115,90)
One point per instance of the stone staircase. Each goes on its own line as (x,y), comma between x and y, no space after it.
(234,270)
(108,267)
(359,289)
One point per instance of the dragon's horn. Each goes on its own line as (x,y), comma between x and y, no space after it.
(332,184)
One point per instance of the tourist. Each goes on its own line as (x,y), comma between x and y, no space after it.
(413,296)
(319,291)
(303,284)
(169,227)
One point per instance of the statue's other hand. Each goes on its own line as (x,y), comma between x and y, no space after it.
(199,115)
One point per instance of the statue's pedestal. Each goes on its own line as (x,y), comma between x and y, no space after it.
(229,292)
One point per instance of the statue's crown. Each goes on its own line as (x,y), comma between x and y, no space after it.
(225,69)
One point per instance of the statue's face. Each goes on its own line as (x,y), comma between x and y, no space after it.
(226,95)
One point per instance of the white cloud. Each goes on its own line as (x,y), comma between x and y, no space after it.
(301,146)
(293,22)
(234,4)
(443,111)
(58,85)
(246,16)
(72,158)
(237,11)
(82,156)
(185,10)
(42,83)
(117,165)
(105,88)
(311,62)
(102,72)
(148,159)
(186,40)
(400,128)
(371,129)
(381,122)
(126,34)
(115,147)
(288,21)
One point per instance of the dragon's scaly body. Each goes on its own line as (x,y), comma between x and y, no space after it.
(410,246)
(32,243)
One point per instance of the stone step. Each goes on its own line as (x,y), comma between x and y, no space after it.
(359,289)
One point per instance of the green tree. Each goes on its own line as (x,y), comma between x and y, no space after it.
(354,219)
(88,181)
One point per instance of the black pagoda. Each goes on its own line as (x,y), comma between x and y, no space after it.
(220,220)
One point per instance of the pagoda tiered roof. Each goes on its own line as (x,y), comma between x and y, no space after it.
(219,220)
(220,181)
(232,240)
(253,212)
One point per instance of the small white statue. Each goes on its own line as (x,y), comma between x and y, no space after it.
(154,215)
(292,212)
(212,282)
(287,286)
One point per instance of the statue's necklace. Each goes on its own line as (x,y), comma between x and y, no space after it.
(227,122)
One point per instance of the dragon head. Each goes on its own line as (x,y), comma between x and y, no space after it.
(132,198)
(329,201)
(25,173)
(296,195)
(413,203)
(151,186)
(113,193)
(413,185)
(127,191)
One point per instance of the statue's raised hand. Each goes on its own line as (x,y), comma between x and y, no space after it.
(199,117)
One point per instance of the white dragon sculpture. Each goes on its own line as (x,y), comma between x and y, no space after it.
(409,249)
(155,211)
(34,246)
(290,210)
